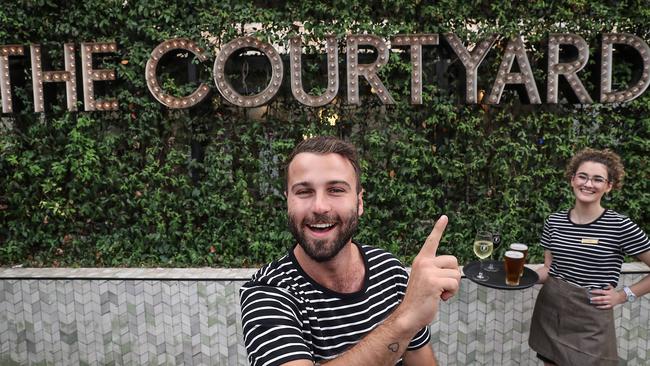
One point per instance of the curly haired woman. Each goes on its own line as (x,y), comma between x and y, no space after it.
(584,249)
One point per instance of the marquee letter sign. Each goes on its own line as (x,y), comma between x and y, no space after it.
(606,93)
(359,71)
(514,50)
(5,82)
(68,77)
(416,42)
(568,69)
(295,66)
(471,61)
(229,92)
(368,71)
(91,75)
(152,80)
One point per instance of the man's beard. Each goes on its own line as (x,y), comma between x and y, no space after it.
(324,250)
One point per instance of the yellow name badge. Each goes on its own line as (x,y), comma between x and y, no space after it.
(589,241)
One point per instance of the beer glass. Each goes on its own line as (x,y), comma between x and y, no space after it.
(514,263)
(520,248)
(482,248)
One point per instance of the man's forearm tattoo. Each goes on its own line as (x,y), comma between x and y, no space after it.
(393,347)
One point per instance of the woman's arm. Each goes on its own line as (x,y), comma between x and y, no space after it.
(609,297)
(643,286)
(542,272)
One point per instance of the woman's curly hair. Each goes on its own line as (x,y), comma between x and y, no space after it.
(615,169)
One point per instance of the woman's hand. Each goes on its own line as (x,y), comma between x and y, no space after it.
(607,298)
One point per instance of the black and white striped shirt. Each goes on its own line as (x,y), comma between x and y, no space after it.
(287,316)
(591,255)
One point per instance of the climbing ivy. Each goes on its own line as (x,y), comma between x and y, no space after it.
(149,186)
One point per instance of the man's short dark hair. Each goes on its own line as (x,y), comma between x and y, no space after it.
(322,145)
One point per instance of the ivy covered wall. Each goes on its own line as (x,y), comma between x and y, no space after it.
(146,185)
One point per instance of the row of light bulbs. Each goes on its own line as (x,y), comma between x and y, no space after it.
(514,51)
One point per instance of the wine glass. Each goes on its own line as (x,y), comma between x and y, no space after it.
(483,247)
(496,240)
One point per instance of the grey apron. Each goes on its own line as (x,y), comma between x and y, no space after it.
(568,330)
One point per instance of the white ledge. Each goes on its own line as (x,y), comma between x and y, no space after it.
(206,273)
(195,274)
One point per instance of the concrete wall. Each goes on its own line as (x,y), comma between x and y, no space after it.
(192,317)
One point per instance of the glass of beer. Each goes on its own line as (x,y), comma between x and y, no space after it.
(520,248)
(514,263)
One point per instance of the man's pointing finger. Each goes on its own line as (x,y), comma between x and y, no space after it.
(433,240)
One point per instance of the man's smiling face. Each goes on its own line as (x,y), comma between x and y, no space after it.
(323,203)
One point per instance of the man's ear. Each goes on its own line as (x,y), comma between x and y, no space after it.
(360,201)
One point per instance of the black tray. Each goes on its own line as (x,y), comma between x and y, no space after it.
(498,279)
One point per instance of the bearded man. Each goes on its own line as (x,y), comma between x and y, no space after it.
(330,299)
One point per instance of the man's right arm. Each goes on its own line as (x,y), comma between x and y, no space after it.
(383,346)
(432,278)
(271,324)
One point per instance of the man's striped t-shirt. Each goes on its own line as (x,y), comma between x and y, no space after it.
(287,316)
(591,255)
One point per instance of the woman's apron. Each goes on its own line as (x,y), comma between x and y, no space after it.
(568,330)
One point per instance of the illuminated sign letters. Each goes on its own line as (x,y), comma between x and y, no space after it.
(514,51)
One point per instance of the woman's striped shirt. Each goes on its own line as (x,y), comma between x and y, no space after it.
(287,316)
(591,255)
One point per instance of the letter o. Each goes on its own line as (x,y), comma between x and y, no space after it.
(228,91)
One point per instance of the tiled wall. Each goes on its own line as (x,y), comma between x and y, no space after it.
(191,317)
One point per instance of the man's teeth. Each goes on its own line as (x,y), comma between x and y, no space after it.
(321,226)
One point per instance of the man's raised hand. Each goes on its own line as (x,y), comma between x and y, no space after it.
(432,278)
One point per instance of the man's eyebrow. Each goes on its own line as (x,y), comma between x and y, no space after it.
(301,184)
(329,183)
(333,182)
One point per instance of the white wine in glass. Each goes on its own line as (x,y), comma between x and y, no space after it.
(496,240)
(483,247)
